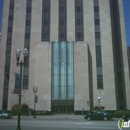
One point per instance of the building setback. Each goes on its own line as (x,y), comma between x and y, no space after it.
(77,53)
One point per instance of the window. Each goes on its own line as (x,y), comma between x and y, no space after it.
(96,9)
(45,35)
(46,22)
(26,61)
(9,29)
(28,10)
(62,35)
(11,6)
(8,41)
(99,76)
(27,35)
(78,9)
(62,22)
(60,66)
(28,22)
(96,21)
(46,9)
(79,35)
(10,17)
(98,53)
(96,3)
(100,83)
(98,49)
(62,9)
(79,21)
(7,77)
(99,63)
(25,83)
(8,54)
(97,35)
(7,68)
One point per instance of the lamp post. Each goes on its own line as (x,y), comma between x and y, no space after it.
(99,102)
(35,90)
(21,63)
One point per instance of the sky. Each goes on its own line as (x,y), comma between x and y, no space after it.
(126,4)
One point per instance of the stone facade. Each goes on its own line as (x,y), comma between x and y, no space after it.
(40,55)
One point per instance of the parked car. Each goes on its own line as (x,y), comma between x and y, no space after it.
(100,115)
(6,114)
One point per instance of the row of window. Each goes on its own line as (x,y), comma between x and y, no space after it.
(61,35)
(46,35)
(46,9)
(27,36)
(8,56)
(79,35)
(62,20)
(63,9)
(98,48)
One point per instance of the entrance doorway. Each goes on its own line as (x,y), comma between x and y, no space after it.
(62,106)
(62,109)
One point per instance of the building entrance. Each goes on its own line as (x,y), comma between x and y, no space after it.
(63,107)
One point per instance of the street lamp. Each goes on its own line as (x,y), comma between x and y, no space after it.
(21,63)
(35,90)
(99,102)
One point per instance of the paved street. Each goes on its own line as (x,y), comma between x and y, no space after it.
(57,123)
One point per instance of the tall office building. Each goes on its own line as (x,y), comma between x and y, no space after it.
(77,53)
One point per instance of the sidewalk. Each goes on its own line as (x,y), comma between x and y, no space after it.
(65,116)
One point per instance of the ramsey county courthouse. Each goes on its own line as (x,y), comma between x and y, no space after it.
(77,53)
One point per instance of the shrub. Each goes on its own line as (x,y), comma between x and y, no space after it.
(15,109)
(96,108)
(23,109)
(102,107)
(121,113)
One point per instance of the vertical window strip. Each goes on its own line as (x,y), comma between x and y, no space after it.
(62,70)
(98,45)
(55,71)
(7,59)
(79,25)
(45,32)
(27,43)
(62,20)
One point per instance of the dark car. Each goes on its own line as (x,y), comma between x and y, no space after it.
(100,115)
(6,114)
